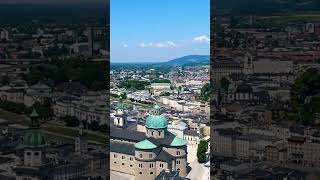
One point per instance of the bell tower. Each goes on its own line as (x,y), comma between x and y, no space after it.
(119,119)
(34,143)
(81,143)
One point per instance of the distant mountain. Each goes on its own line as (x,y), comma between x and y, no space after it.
(190,60)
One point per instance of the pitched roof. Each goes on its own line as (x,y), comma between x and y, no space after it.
(178,142)
(164,156)
(123,148)
(127,135)
(145,144)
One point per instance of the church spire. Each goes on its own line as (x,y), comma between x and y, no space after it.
(34,116)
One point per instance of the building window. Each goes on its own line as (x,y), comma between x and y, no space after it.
(178,169)
(151,172)
(150,155)
(123,157)
(178,153)
(140,172)
(161,165)
(115,162)
(131,158)
(115,156)
(140,165)
(36,153)
(122,164)
(152,133)
(159,133)
(151,165)
(140,155)
(178,162)
(130,165)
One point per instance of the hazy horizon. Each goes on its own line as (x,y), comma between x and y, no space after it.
(153,60)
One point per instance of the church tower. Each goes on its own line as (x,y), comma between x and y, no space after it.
(119,119)
(248,64)
(34,143)
(81,143)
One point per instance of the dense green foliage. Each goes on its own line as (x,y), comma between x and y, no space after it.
(44,109)
(164,94)
(71,121)
(305,96)
(91,74)
(18,108)
(135,84)
(161,81)
(205,92)
(202,149)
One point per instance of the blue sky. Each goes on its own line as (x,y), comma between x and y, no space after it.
(158,30)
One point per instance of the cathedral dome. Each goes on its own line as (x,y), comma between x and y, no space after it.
(156,120)
(145,145)
(178,142)
(34,138)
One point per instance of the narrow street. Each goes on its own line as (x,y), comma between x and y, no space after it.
(198,170)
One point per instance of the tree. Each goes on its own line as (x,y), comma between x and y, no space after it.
(164,94)
(136,84)
(71,121)
(44,109)
(305,95)
(94,125)
(201,151)
(205,92)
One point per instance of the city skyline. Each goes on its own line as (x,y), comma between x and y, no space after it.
(165,37)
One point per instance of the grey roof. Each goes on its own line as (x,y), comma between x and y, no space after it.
(124,148)
(190,132)
(72,88)
(166,141)
(164,157)
(174,175)
(244,88)
(127,135)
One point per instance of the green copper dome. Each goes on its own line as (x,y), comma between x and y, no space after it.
(178,142)
(145,144)
(34,138)
(156,106)
(120,105)
(156,120)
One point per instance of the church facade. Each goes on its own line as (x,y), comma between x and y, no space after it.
(146,154)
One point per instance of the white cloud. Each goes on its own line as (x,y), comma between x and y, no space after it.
(167,44)
(125,45)
(201,39)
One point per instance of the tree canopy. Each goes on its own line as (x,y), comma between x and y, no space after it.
(205,92)
(305,95)
(202,149)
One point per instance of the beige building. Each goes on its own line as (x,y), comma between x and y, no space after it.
(85,110)
(146,155)
(303,152)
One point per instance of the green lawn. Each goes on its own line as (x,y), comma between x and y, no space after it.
(73,133)
(11,117)
(138,104)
